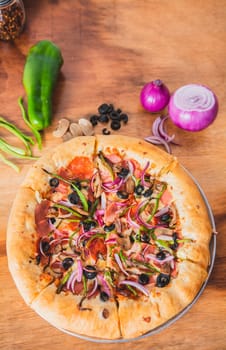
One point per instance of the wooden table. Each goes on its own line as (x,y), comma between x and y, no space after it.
(111,49)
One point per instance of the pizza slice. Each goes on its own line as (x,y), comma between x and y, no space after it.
(87,316)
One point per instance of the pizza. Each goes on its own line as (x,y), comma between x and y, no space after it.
(108,237)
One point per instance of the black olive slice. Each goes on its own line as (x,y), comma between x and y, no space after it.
(104,296)
(148,193)
(161,255)
(54,182)
(90,272)
(139,189)
(109,228)
(105,131)
(123,173)
(122,194)
(67,263)
(143,278)
(103,109)
(73,198)
(88,225)
(115,125)
(93,120)
(162,280)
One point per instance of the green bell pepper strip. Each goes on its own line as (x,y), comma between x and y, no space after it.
(69,210)
(158,197)
(14,151)
(16,131)
(40,74)
(8,162)
(25,118)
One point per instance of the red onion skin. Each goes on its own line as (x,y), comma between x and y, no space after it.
(154,96)
(192,120)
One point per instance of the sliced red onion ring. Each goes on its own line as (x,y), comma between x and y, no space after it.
(92,180)
(110,241)
(158,141)
(131,167)
(80,270)
(104,284)
(162,211)
(66,203)
(130,221)
(72,277)
(144,183)
(103,201)
(165,238)
(93,290)
(43,239)
(161,262)
(139,218)
(137,286)
(118,260)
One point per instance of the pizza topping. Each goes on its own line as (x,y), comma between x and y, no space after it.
(67,263)
(143,278)
(136,285)
(90,272)
(54,182)
(162,280)
(104,296)
(106,313)
(111,233)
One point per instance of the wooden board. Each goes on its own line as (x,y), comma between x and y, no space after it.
(111,49)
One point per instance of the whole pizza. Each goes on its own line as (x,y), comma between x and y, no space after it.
(108,237)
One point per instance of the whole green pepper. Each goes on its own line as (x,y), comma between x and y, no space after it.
(41,70)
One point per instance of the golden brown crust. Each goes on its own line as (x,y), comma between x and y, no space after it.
(53,160)
(193,215)
(97,319)
(188,282)
(160,161)
(21,247)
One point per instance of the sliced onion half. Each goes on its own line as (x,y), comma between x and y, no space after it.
(137,286)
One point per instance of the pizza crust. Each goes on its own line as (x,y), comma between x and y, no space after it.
(160,161)
(21,247)
(61,310)
(127,318)
(53,160)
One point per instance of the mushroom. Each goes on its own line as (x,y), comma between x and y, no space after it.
(75,129)
(86,127)
(67,136)
(62,127)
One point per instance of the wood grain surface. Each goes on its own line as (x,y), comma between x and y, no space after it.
(111,48)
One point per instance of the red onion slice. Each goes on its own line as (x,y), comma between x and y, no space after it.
(137,286)
(130,221)
(93,290)
(105,286)
(158,141)
(144,183)
(165,238)
(80,270)
(161,262)
(162,211)
(118,260)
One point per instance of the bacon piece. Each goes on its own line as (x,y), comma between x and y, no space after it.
(97,247)
(110,213)
(166,198)
(41,219)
